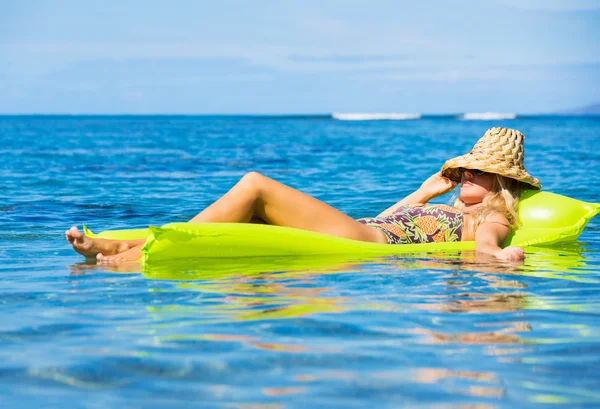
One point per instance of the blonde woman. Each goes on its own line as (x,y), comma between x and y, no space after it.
(491,177)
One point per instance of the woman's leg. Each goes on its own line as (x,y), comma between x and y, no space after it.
(276,204)
(90,247)
(281,205)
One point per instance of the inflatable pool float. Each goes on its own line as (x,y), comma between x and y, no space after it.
(546,218)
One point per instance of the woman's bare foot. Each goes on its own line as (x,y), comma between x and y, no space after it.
(133,254)
(89,247)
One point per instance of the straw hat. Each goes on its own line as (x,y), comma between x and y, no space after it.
(499,151)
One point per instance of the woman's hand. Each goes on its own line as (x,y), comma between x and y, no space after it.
(437,185)
(512,253)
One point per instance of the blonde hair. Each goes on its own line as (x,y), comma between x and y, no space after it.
(502,198)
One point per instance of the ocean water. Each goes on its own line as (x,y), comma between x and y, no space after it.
(418,331)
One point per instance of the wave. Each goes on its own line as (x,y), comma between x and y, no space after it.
(375,117)
(486,116)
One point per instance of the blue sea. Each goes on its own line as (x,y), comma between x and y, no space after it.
(416,331)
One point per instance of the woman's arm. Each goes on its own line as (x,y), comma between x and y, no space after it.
(491,234)
(436,185)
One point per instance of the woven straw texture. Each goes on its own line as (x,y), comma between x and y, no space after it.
(499,151)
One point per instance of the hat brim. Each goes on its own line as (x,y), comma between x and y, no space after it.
(451,170)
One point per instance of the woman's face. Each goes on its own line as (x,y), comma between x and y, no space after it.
(475,185)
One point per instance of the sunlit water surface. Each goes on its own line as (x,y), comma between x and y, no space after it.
(424,330)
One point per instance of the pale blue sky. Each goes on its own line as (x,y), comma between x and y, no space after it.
(299,56)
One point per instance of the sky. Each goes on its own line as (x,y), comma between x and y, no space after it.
(298,57)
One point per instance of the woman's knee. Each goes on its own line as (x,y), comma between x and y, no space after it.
(252,180)
(251,177)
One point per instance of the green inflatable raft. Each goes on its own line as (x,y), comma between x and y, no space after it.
(546,218)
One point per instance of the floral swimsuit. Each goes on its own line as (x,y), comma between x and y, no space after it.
(419,224)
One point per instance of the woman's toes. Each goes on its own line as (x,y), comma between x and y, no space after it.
(74,232)
(73,235)
(104,259)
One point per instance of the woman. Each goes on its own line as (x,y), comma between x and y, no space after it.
(491,176)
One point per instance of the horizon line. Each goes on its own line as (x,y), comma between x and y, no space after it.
(316,114)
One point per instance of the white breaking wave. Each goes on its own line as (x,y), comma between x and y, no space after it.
(483,116)
(375,117)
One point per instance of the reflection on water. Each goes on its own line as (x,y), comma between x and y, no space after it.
(264,290)
(505,335)
(288,287)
